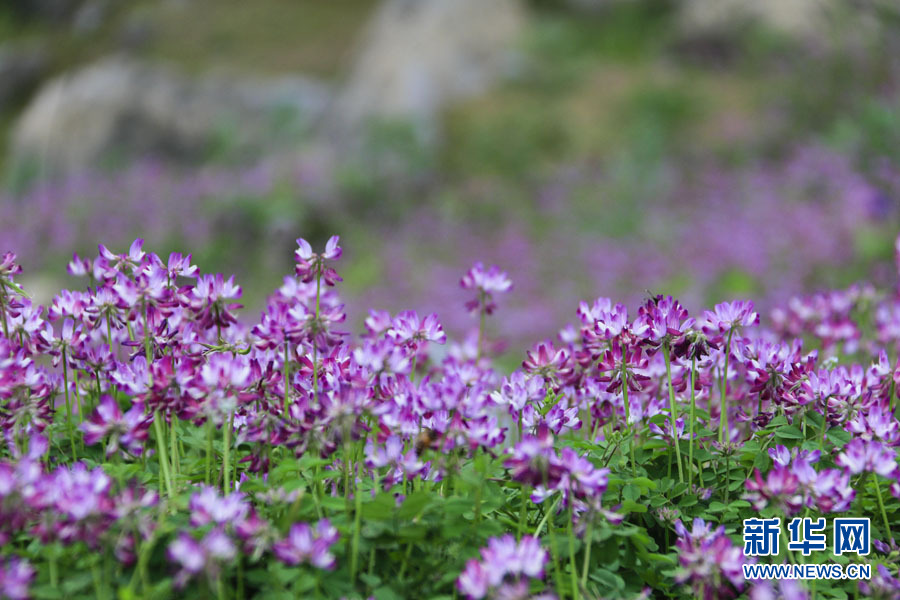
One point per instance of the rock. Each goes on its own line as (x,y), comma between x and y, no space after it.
(127,109)
(800,19)
(90,16)
(21,70)
(419,55)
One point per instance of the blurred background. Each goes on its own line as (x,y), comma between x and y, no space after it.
(711,149)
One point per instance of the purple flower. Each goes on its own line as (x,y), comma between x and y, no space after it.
(708,559)
(118,262)
(15,577)
(728,316)
(8,266)
(876,423)
(549,362)
(195,557)
(212,300)
(207,506)
(883,585)
(780,489)
(303,544)
(486,282)
(408,330)
(663,320)
(860,455)
(311,266)
(782,589)
(128,431)
(503,561)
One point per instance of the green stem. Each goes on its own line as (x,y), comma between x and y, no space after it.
(173,443)
(108,331)
(587,552)
(573,570)
(723,415)
(209,449)
(146,338)
(691,426)
(68,405)
(54,576)
(887,526)
(628,418)
(787,549)
(287,378)
(161,449)
(523,512)
(226,459)
(478,350)
(315,345)
(673,414)
(537,532)
(357,512)
(554,554)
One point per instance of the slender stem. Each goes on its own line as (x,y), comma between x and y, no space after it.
(690,465)
(554,554)
(537,532)
(573,570)
(673,414)
(315,345)
(357,512)
(209,449)
(161,449)
(588,536)
(887,527)
(523,512)
(147,354)
(287,377)
(3,303)
(628,418)
(787,549)
(173,442)
(478,350)
(54,575)
(68,405)
(226,432)
(824,426)
(108,331)
(723,414)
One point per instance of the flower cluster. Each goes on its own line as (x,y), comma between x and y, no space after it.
(504,569)
(142,412)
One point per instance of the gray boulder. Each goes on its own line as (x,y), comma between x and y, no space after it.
(417,56)
(123,109)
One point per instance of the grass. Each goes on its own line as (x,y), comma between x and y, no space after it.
(263,37)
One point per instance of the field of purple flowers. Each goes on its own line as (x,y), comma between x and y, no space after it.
(158,447)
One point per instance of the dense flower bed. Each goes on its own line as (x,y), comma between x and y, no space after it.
(156,447)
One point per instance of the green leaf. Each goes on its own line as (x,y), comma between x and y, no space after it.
(630,506)
(839,437)
(791,432)
(380,508)
(414,504)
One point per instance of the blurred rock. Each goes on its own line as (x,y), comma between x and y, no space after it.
(809,20)
(90,16)
(21,70)
(418,55)
(122,109)
(795,17)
